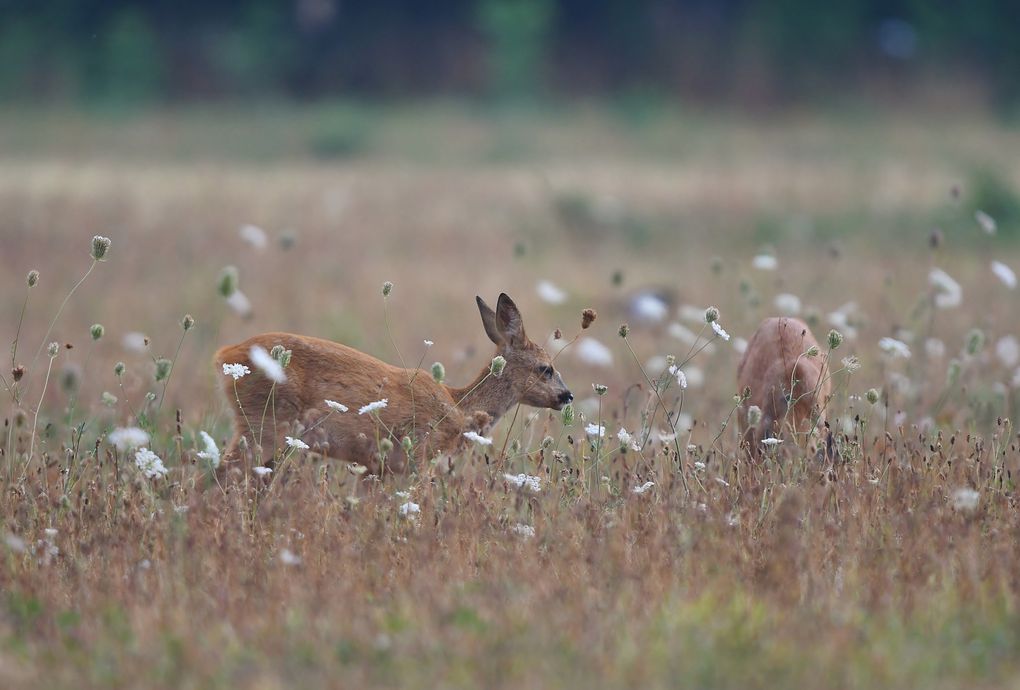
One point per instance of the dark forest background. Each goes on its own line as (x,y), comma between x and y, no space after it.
(777,51)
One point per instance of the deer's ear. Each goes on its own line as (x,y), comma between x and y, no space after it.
(489,321)
(509,320)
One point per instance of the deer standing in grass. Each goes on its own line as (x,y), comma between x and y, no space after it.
(432,415)
(790,387)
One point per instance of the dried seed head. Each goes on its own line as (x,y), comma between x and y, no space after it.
(547,442)
(567,414)
(588,317)
(872,396)
(97,331)
(33,278)
(188,322)
(557,334)
(813,351)
(753,415)
(276,352)
(624,330)
(17,373)
(108,399)
(600,389)
(497,366)
(407,444)
(385,446)
(387,288)
(119,369)
(163,366)
(53,349)
(975,341)
(711,315)
(670,361)
(515,446)
(835,339)
(100,246)
(438,372)
(228,281)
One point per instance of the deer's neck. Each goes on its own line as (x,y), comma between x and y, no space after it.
(487,393)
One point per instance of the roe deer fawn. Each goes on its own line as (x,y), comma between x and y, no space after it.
(433,415)
(789,387)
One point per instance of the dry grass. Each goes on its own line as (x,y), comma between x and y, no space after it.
(791,573)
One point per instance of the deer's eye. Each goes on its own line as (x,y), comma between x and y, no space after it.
(545,371)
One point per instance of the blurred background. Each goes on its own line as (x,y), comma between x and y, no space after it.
(632,156)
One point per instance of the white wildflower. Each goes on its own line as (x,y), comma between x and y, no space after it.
(595,430)
(594,353)
(935,348)
(236,370)
(1007,349)
(894,348)
(681,377)
(262,471)
(211,454)
(643,488)
(428,343)
(50,532)
(740,345)
(771,442)
(335,406)
(1005,274)
(720,480)
(374,406)
(788,303)
(127,437)
(765,262)
(150,464)
(550,293)
(296,443)
(685,422)
(720,331)
(666,436)
(948,293)
(409,509)
(522,530)
(649,307)
(240,303)
(627,439)
(14,543)
(986,222)
(477,438)
(265,363)
(288,557)
(965,499)
(134,341)
(524,481)
(254,235)
(682,333)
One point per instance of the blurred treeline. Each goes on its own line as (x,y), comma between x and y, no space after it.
(765,51)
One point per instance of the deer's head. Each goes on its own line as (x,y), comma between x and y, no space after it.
(529,369)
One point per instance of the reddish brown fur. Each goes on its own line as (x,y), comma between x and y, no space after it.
(433,414)
(774,359)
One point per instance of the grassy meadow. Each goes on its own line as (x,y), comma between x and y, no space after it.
(894,566)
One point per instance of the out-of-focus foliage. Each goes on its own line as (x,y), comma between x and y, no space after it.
(697,49)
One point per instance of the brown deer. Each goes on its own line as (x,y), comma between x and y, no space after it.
(432,415)
(790,387)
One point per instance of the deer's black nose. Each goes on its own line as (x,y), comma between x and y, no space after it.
(566,397)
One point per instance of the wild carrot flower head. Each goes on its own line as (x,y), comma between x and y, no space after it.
(550,293)
(595,430)
(835,339)
(851,363)
(254,235)
(894,348)
(872,396)
(262,471)
(948,293)
(438,372)
(643,488)
(163,366)
(765,262)
(599,389)
(681,377)
(211,454)
(119,369)
(986,222)
(373,406)
(813,351)
(296,443)
(150,464)
(753,415)
(1005,274)
(335,406)
(265,363)
(100,246)
(228,281)
(33,278)
(720,331)
(524,481)
(477,438)
(771,442)
(966,499)
(975,341)
(387,288)
(97,331)
(567,414)
(236,370)
(624,330)
(53,349)
(125,438)
(188,322)
(588,317)
(711,315)
(409,509)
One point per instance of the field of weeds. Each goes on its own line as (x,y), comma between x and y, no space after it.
(657,557)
